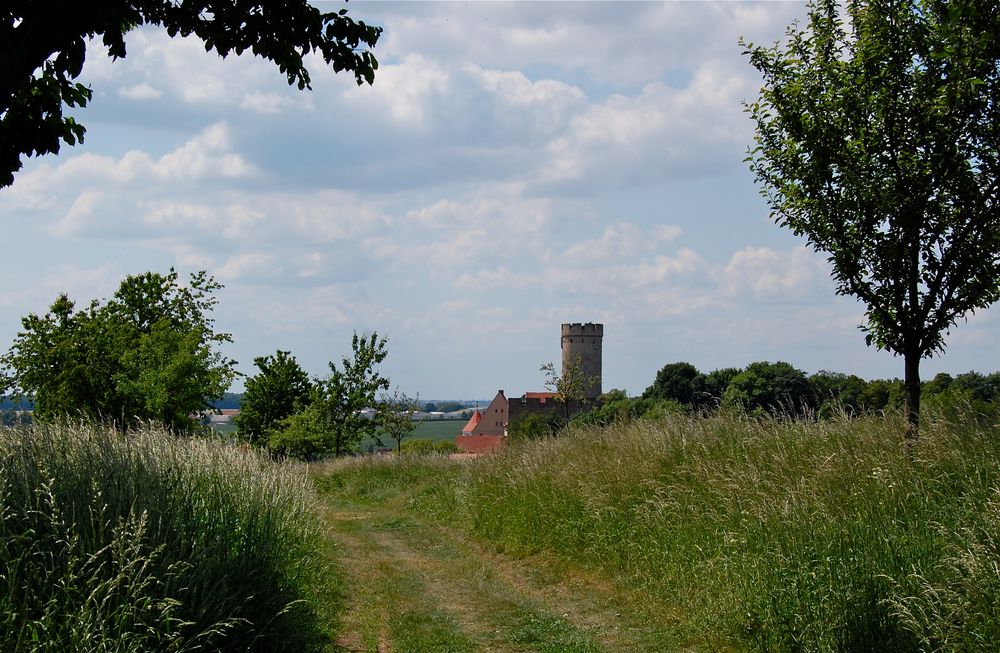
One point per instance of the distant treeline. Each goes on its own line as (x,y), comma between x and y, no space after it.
(229,401)
(780,389)
(14,404)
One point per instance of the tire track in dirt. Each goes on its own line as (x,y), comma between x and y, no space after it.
(499,605)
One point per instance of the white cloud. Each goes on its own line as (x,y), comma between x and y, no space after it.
(408,90)
(621,241)
(141,91)
(769,275)
(274,103)
(484,280)
(253,264)
(206,155)
(662,133)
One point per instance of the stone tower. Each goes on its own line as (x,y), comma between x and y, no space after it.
(582,342)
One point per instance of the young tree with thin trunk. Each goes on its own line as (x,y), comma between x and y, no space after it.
(572,385)
(878,139)
(350,388)
(395,416)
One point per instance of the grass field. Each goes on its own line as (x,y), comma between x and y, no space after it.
(152,542)
(727,533)
(684,533)
(440,429)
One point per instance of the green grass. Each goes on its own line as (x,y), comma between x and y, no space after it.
(150,542)
(758,535)
(435,430)
(418,586)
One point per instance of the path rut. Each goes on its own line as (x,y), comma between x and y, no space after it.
(420,587)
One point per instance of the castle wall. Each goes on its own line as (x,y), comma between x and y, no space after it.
(518,408)
(584,343)
(479,443)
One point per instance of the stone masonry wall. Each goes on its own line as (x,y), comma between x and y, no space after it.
(584,342)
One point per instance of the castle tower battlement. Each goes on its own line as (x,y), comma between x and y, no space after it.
(583,343)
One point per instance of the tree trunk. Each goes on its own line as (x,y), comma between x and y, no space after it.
(911,404)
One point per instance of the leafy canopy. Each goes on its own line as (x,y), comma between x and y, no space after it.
(350,388)
(148,353)
(332,421)
(280,389)
(877,139)
(45,45)
(770,388)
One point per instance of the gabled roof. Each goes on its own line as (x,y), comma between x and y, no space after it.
(473,422)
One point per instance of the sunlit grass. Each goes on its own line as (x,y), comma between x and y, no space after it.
(149,542)
(767,535)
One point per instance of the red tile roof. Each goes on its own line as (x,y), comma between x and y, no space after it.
(473,422)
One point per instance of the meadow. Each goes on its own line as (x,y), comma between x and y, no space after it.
(732,533)
(681,533)
(435,430)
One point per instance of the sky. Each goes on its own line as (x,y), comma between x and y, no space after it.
(515,166)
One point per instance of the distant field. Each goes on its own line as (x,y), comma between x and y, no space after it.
(439,429)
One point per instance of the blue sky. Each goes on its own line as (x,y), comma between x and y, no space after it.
(515,166)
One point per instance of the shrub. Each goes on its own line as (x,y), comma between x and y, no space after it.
(535,426)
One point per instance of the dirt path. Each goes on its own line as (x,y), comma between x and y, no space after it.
(418,587)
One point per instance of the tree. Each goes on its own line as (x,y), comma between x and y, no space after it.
(147,354)
(395,416)
(674,381)
(349,389)
(881,394)
(280,389)
(45,44)
(771,388)
(981,387)
(837,393)
(877,141)
(570,386)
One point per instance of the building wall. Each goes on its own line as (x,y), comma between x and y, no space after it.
(479,443)
(584,342)
(519,407)
(494,418)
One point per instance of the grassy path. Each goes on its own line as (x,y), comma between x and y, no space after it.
(415,586)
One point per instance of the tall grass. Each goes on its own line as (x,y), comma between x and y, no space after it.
(784,535)
(743,533)
(148,542)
